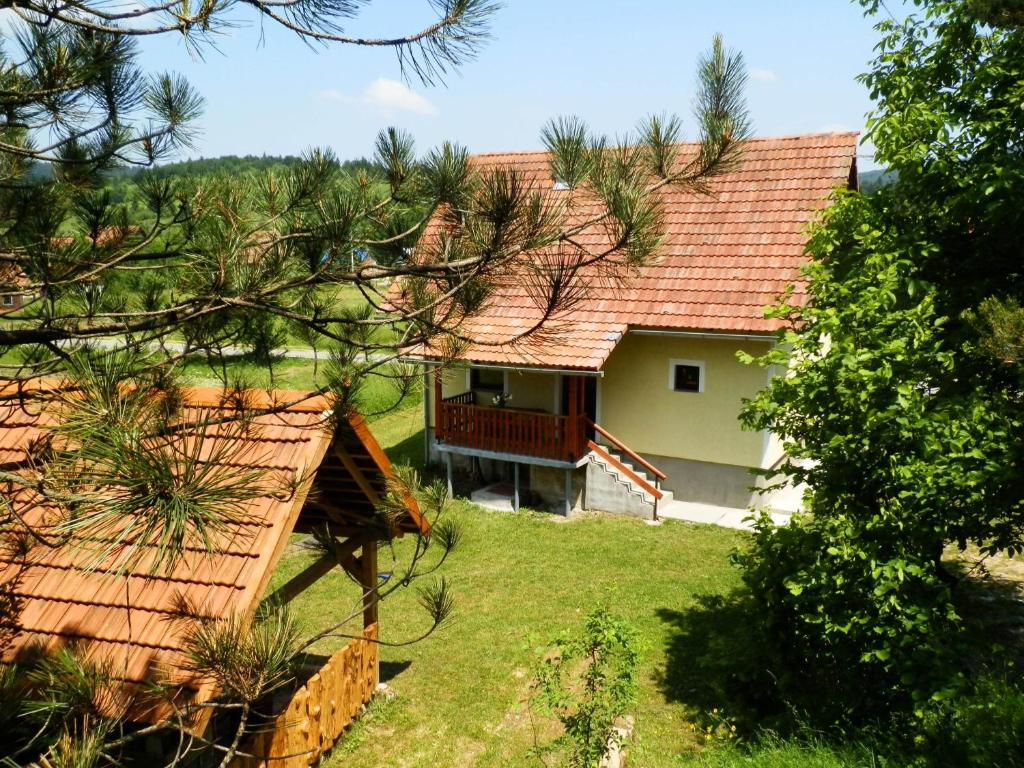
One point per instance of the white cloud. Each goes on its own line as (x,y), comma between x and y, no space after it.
(763,75)
(386,96)
(391,94)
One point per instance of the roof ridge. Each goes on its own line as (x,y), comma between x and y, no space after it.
(754,139)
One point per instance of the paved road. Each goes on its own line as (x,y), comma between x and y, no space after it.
(296,353)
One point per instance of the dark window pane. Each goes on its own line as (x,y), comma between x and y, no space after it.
(486,379)
(687,378)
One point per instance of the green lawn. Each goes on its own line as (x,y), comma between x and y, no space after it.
(520,581)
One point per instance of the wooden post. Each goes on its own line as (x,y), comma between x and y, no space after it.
(438,427)
(368,562)
(368,578)
(426,417)
(571,438)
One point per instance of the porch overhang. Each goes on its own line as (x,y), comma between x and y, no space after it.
(515,458)
(432,363)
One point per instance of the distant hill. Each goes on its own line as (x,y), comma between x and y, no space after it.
(234,165)
(872,180)
(122,190)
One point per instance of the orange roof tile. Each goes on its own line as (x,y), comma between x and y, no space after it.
(70,595)
(725,256)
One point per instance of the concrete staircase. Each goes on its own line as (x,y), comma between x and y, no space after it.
(607,477)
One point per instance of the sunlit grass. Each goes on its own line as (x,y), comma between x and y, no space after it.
(520,580)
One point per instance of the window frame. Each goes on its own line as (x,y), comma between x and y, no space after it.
(701,379)
(8,301)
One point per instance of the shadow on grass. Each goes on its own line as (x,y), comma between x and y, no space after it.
(714,662)
(389,670)
(408,451)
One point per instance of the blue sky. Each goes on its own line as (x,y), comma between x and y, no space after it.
(607,61)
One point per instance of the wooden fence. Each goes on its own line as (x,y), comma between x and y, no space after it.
(319,711)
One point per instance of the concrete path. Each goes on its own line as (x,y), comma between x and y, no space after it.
(726,517)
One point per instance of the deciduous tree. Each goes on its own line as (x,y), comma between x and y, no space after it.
(901,404)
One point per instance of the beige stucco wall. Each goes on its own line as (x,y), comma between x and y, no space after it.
(638,406)
(532,390)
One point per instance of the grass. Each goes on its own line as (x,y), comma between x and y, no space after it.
(520,580)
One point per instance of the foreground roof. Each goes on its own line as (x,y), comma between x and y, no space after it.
(726,255)
(127,617)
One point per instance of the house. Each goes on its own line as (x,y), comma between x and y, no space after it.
(15,289)
(326,470)
(629,401)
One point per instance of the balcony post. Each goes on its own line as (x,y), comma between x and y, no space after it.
(572,422)
(438,428)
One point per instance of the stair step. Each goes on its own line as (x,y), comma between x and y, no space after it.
(631,486)
(632,467)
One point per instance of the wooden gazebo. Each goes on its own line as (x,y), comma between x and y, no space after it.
(336,475)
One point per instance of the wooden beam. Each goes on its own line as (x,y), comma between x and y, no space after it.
(303,581)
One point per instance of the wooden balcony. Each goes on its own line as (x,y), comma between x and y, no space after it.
(459,422)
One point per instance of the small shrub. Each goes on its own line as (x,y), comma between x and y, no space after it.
(587,682)
(977,730)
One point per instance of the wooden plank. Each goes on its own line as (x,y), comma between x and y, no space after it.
(319,712)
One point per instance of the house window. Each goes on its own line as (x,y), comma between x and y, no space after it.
(686,375)
(8,301)
(486,380)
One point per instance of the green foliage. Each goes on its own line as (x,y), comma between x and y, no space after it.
(245,659)
(981,729)
(893,410)
(588,682)
(773,752)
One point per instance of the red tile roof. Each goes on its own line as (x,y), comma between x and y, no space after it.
(725,256)
(126,617)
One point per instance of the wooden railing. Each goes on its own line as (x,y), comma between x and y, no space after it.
(319,711)
(638,481)
(509,430)
(653,489)
(465,398)
(623,448)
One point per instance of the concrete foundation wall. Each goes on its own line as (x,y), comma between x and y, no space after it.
(607,494)
(722,485)
(705,482)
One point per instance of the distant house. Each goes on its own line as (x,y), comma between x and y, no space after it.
(630,400)
(15,289)
(327,470)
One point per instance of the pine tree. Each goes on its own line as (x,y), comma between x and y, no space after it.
(115,303)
